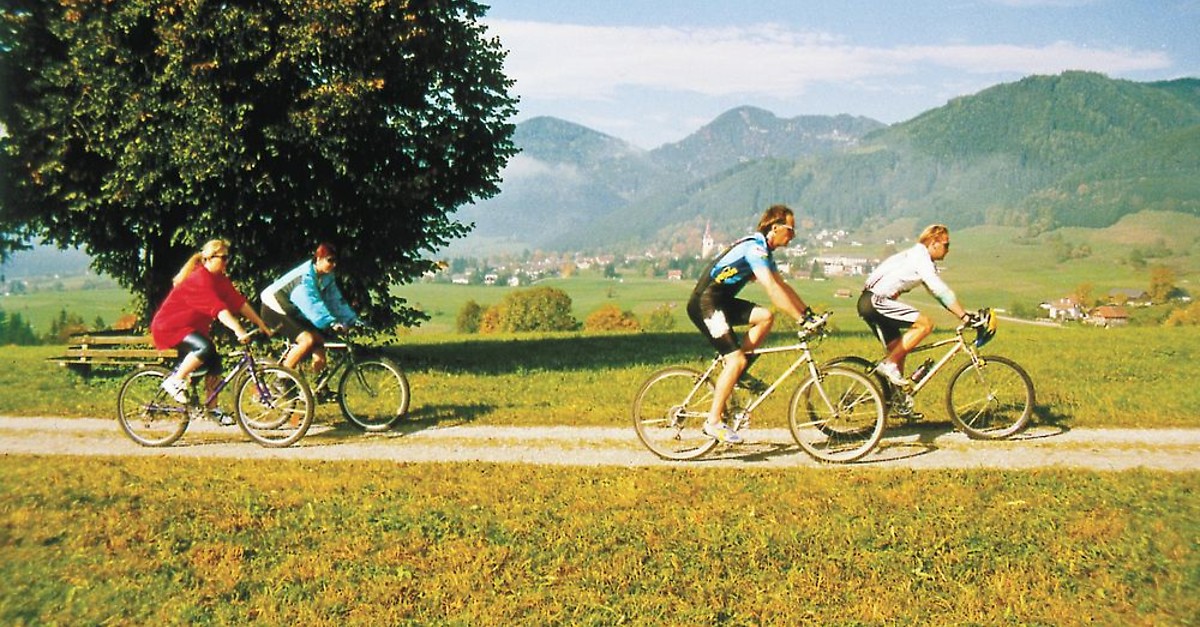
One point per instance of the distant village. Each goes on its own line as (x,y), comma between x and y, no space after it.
(813,259)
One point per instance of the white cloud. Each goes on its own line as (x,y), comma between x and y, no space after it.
(1049,59)
(524,167)
(574,62)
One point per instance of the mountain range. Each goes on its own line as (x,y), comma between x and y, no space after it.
(1075,149)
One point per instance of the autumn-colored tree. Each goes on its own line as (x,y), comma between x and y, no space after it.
(609,317)
(1162,283)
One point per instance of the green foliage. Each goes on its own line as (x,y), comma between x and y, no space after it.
(532,309)
(469,317)
(139,130)
(64,326)
(610,318)
(152,540)
(15,330)
(661,318)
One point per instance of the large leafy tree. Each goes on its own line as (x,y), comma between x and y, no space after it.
(140,129)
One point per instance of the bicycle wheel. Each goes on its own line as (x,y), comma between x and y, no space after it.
(373,394)
(148,414)
(669,413)
(991,401)
(274,406)
(837,416)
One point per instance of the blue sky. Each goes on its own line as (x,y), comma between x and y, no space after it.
(654,71)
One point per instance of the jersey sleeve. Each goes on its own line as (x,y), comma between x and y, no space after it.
(934,283)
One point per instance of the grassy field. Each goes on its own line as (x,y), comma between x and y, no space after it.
(1084,377)
(990,266)
(184,541)
(176,540)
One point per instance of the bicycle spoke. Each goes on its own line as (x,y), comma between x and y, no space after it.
(274,406)
(373,394)
(990,402)
(147,414)
(669,413)
(837,417)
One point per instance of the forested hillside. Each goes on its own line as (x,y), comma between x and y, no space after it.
(1076,149)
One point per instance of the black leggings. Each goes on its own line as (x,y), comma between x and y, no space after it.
(202,348)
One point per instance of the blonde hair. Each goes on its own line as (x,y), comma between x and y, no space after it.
(775,214)
(932,233)
(210,248)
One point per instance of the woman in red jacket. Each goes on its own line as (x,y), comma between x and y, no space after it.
(202,293)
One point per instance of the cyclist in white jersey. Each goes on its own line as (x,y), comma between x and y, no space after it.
(900,326)
(714,307)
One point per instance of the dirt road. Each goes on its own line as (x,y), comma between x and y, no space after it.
(929,447)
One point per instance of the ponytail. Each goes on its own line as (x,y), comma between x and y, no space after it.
(210,248)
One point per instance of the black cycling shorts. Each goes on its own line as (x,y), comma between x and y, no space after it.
(716,316)
(195,344)
(887,317)
(289,326)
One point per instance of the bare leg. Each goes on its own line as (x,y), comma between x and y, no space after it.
(761,320)
(303,344)
(210,385)
(186,367)
(899,348)
(735,362)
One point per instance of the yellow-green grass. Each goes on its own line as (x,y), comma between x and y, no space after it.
(1084,377)
(184,541)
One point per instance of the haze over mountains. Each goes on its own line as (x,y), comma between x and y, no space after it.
(1076,149)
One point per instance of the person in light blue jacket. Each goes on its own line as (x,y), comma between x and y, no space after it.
(306,304)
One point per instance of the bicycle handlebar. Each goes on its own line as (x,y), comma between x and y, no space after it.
(814,325)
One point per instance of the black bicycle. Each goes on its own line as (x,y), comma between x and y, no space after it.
(370,388)
(273,403)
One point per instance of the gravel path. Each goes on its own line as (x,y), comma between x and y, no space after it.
(929,447)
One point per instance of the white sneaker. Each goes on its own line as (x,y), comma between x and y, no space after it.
(722,433)
(892,374)
(176,388)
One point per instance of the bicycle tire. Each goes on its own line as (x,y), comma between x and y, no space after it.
(373,394)
(837,416)
(146,413)
(274,406)
(669,412)
(993,402)
(866,367)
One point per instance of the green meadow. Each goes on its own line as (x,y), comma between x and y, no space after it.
(171,540)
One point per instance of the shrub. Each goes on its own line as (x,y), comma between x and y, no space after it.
(533,309)
(469,317)
(610,318)
(661,319)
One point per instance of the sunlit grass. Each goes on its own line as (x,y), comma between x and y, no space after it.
(146,541)
(1084,377)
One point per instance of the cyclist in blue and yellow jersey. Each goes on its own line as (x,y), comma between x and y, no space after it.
(306,304)
(900,326)
(715,308)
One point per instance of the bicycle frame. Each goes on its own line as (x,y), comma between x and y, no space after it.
(960,344)
(246,363)
(338,354)
(805,358)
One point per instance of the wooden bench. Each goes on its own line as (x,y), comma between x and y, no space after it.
(118,350)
